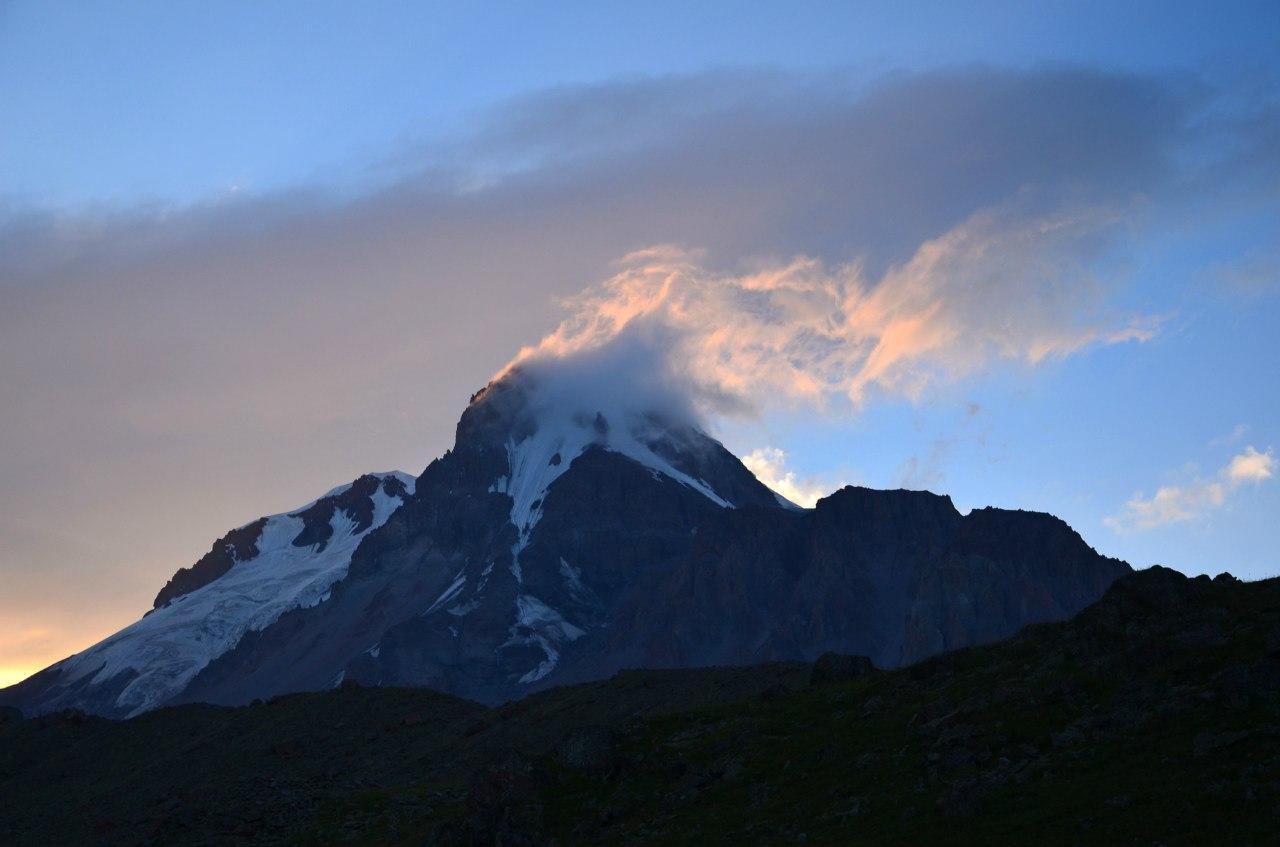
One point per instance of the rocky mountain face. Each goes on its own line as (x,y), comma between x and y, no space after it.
(556,544)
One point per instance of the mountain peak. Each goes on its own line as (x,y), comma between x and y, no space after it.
(543,428)
(577,526)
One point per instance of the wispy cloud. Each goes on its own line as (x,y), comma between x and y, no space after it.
(1197,498)
(1237,433)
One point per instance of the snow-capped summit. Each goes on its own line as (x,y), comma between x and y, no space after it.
(569,534)
(543,437)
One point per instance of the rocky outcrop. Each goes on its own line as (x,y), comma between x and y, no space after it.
(241,545)
(355,501)
(236,546)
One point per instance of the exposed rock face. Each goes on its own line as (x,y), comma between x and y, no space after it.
(241,544)
(238,545)
(542,551)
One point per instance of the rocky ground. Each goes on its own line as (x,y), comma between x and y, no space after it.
(1153,717)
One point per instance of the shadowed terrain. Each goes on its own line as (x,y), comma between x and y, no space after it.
(1151,717)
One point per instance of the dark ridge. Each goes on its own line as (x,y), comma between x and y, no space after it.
(356,501)
(865,508)
(238,545)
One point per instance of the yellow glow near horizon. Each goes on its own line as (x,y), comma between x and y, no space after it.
(10,674)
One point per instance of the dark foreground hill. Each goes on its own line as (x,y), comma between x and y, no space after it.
(1153,717)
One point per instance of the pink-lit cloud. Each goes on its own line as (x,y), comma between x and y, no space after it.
(1196,498)
(1000,286)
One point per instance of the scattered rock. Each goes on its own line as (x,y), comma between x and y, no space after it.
(838,667)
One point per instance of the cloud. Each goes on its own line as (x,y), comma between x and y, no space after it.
(1238,432)
(1250,466)
(1002,285)
(1177,503)
(168,372)
(769,464)
(927,472)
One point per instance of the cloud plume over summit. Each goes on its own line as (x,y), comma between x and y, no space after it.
(999,286)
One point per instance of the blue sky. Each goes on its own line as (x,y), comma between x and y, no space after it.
(110,102)
(249,251)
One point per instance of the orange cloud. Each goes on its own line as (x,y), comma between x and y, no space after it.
(1003,285)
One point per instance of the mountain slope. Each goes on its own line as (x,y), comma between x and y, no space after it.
(249,579)
(559,542)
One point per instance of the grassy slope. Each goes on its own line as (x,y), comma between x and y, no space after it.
(1153,717)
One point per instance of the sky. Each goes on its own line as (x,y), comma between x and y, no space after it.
(1027,255)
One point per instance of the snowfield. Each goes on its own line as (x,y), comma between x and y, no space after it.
(175,642)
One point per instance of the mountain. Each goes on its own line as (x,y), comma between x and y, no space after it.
(559,542)
(1153,717)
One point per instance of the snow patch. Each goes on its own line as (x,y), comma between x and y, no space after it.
(547,628)
(573,581)
(536,615)
(541,458)
(464,609)
(459,580)
(571,575)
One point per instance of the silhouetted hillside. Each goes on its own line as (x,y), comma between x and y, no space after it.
(1151,717)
